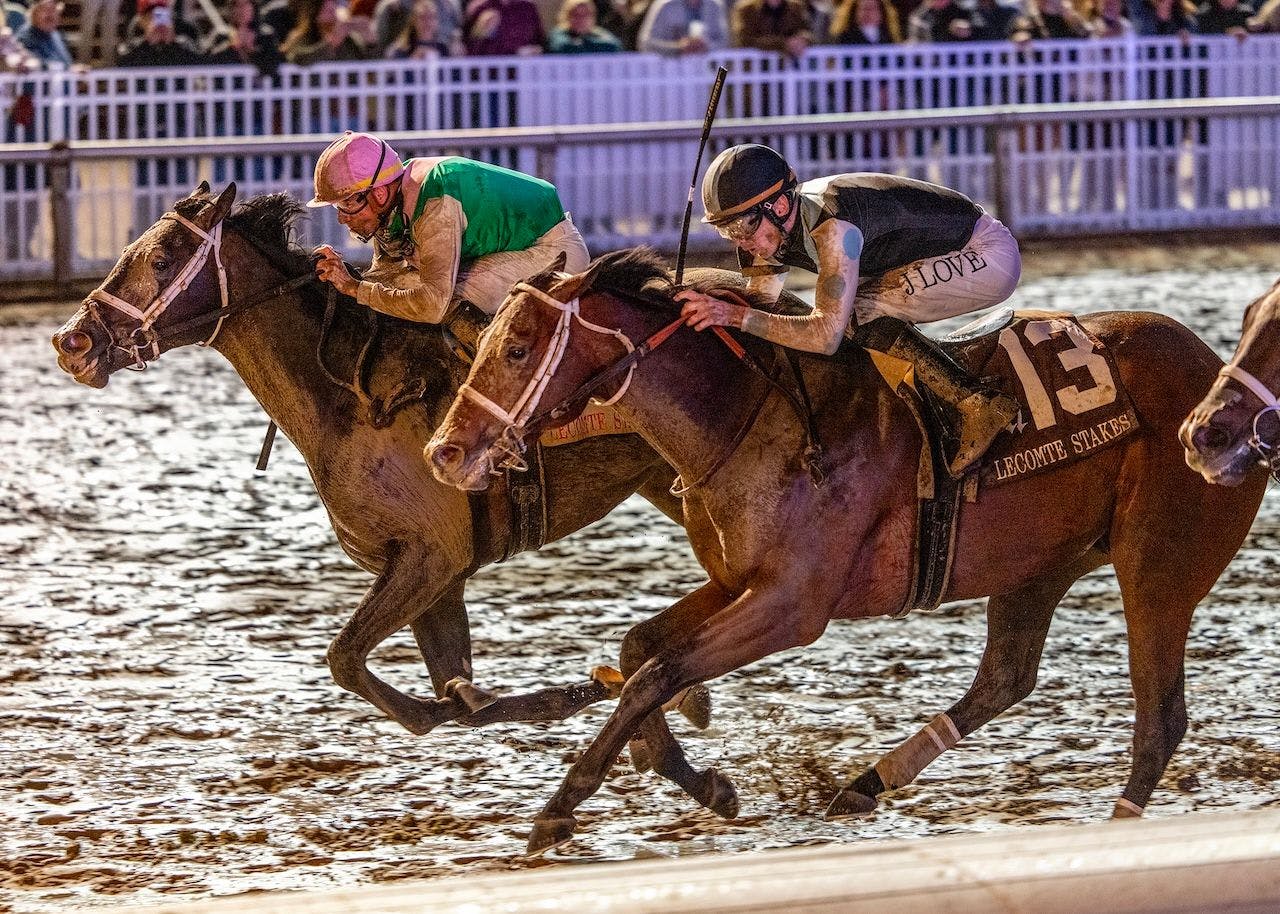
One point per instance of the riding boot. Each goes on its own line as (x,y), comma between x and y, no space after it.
(982,413)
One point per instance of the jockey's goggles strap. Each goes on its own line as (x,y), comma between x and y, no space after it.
(1260,390)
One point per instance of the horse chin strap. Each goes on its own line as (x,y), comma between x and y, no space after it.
(1268,454)
(143,337)
(510,442)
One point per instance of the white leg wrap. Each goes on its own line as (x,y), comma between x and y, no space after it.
(1126,810)
(900,767)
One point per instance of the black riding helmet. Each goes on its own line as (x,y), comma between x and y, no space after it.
(745,179)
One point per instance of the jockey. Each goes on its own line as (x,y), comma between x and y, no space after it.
(444,229)
(889,252)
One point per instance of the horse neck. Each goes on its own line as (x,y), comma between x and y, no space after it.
(273,348)
(691,397)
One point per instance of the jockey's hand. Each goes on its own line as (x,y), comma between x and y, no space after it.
(702,311)
(331,269)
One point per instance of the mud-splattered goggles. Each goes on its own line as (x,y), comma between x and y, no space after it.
(743,227)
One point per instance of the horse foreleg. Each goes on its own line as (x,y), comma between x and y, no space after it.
(444,638)
(656,747)
(1017,623)
(753,626)
(390,604)
(656,489)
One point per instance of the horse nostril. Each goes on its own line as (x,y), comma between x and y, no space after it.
(446,457)
(77,342)
(1211,438)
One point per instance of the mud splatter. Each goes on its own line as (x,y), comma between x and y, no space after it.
(172,731)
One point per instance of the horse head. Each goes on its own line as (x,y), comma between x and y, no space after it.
(1237,424)
(155,296)
(535,365)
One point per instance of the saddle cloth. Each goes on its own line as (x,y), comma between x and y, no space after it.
(1067,385)
(596,419)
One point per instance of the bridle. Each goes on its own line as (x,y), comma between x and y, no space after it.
(510,441)
(143,336)
(1268,454)
(146,336)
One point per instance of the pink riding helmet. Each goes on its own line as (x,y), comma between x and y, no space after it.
(352,163)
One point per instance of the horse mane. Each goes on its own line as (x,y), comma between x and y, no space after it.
(641,274)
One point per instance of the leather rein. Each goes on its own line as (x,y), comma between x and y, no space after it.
(522,415)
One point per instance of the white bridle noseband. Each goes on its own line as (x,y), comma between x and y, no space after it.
(513,419)
(1270,404)
(211,244)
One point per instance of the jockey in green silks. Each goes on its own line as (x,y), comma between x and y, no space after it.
(444,230)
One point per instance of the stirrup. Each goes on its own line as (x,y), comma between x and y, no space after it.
(977,430)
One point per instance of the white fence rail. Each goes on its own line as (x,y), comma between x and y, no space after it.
(1045,169)
(1209,863)
(479,93)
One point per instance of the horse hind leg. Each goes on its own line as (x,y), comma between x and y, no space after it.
(390,604)
(1017,623)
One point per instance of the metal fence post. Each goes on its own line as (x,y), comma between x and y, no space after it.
(1002,137)
(60,212)
(545,162)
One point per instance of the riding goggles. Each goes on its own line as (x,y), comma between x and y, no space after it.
(361,200)
(741,228)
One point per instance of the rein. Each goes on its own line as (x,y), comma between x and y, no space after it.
(1268,454)
(522,414)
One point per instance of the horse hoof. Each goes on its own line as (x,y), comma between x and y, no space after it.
(721,796)
(476,699)
(610,678)
(641,760)
(849,802)
(549,833)
(696,706)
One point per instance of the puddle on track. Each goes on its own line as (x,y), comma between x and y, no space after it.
(174,733)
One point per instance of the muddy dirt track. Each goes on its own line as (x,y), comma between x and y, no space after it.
(171,730)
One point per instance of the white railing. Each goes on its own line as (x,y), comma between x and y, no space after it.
(479,93)
(1074,168)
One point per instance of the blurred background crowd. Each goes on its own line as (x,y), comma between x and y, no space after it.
(49,34)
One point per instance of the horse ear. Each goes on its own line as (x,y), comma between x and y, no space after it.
(543,280)
(202,190)
(576,285)
(222,206)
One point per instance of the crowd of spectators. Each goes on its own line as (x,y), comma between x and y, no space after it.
(266,34)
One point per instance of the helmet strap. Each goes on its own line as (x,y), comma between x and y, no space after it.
(391,221)
(781,221)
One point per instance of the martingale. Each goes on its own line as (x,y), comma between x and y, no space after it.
(1073,403)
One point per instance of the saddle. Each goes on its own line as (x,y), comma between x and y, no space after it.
(1072,405)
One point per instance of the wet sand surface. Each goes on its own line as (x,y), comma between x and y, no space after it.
(172,731)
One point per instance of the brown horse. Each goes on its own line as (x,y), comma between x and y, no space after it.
(785,556)
(1237,424)
(389,514)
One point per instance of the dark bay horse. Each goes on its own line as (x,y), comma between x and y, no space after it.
(784,556)
(1237,424)
(389,514)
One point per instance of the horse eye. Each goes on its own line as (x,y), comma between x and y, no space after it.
(516,353)
(160,264)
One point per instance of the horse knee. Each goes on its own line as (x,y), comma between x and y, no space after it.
(1022,685)
(637,648)
(345,665)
